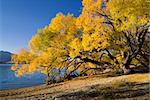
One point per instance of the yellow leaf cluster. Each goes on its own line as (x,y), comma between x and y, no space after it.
(127,13)
(76,47)
(62,23)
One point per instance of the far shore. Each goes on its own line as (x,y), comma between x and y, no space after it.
(6,63)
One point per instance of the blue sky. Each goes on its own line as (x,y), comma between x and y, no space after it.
(20,19)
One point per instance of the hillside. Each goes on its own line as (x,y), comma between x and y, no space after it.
(133,87)
(5,56)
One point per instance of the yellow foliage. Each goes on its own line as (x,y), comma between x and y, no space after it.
(20,72)
(76,47)
(91,65)
(119,58)
(129,12)
(62,24)
(97,28)
(14,68)
(34,44)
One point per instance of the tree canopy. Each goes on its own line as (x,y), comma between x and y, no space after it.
(107,32)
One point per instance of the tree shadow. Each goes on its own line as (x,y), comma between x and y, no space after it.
(128,90)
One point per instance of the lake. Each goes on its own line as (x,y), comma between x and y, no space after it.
(8,80)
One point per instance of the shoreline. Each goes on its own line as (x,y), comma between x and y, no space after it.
(126,86)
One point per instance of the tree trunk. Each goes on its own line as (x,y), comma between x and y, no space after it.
(125,67)
(126,70)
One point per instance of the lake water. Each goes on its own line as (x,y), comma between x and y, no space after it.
(8,80)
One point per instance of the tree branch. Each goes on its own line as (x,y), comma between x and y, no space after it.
(111,56)
(140,44)
(128,40)
(78,65)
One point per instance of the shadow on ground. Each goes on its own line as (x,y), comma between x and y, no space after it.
(126,90)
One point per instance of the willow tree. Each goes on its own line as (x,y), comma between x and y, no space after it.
(112,32)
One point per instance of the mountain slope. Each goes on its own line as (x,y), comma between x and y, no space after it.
(5,56)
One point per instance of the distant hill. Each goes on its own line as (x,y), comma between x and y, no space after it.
(5,56)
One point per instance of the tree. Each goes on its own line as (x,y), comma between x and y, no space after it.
(108,32)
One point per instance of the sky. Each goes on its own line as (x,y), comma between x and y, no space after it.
(20,19)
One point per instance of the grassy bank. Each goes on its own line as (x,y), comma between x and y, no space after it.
(135,86)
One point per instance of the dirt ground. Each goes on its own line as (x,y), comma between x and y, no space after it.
(126,87)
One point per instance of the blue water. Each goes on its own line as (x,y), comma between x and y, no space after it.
(8,80)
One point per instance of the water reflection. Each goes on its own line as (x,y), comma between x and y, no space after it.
(8,80)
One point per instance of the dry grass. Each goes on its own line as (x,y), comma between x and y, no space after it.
(135,86)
